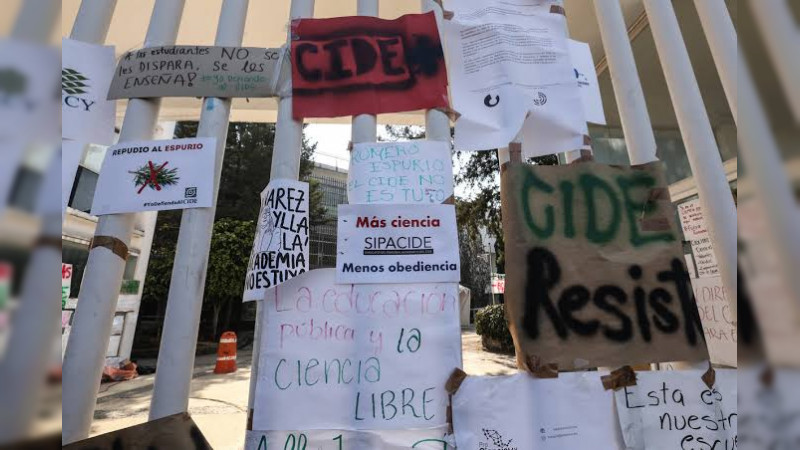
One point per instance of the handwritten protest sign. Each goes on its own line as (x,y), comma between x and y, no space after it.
(356,357)
(675,409)
(156,175)
(364,65)
(520,412)
(86,71)
(196,71)
(400,172)
(387,244)
(719,324)
(693,223)
(66,283)
(594,267)
(280,248)
(421,439)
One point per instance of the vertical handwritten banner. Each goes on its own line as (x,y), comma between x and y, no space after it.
(356,357)
(280,247)
(719,324)
(400,172)
(675,409)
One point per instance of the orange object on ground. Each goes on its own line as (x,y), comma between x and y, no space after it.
(226,353)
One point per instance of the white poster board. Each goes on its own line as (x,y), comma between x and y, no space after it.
(156,175)
(356,357)
(400,172)
(510,69)
(693,224)
(586,76)
(391,244)
(668,410)
(719,323)
(86,71)
(280,247)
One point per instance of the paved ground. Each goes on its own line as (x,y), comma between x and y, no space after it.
(218,403)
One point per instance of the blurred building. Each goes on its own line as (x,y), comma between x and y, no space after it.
(332,181)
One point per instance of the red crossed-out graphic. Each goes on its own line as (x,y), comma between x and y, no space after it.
(152,179)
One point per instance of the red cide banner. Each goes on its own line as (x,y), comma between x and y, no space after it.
(364,65)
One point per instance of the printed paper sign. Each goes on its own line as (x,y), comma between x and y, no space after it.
(364,65)
(675,409)
(586,76)
(156,175)
(594,267)
(498,283)
(280,248)
(356,357)
(196,71)
(509,61)
(693,223)
(66,283)
(71,154)
(400,172)
(86,71)
(520,412)
(422,439)
(719,323)
(387,244)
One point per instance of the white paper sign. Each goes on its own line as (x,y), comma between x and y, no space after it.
(391,244)
(156,175)
(356,357)
(71,154)
(86,71)
(676,410)
(693,223)
(280,248)
(586,76)
(400,172)
(519,412)
(507,61)
(719,324)
(66,283)
(426,439)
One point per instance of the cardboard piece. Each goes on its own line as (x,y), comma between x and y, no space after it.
(417,171)
(594,268)
(196,71)
(86,71)
(719,324)
(387,244)
(171,432)
(364,65)
(356,357)
(675,409)
(156,175)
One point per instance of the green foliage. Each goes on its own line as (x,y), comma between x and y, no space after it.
(129,287)
(491,325)
(165,177)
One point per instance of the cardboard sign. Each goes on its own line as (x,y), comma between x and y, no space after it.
(86,71)
(512,72)
(520,412)
(675,409)
(196,71)
(356,357)
(171,432)
(719,324)
(594,267)
(280,248)
(400,172)
(66,283)
(364,65)
(387,244)
(156,175)
(693,224)
(424,439)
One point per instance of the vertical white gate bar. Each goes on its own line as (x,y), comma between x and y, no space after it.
(88,341)
(187,284)
(93,20)
(628,92)
(698,137)
(781,35)
(285,165)
(721,36)
(437,124)
(33,331)
(364,126)
(770,182)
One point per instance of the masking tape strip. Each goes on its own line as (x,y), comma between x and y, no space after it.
(620,378)
(710,377)
(538,369)
(49,241)
(116,246)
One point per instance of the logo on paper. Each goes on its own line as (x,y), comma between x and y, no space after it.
(489,102)
(73,85)
(540,99)
(496,441)
(156,177)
